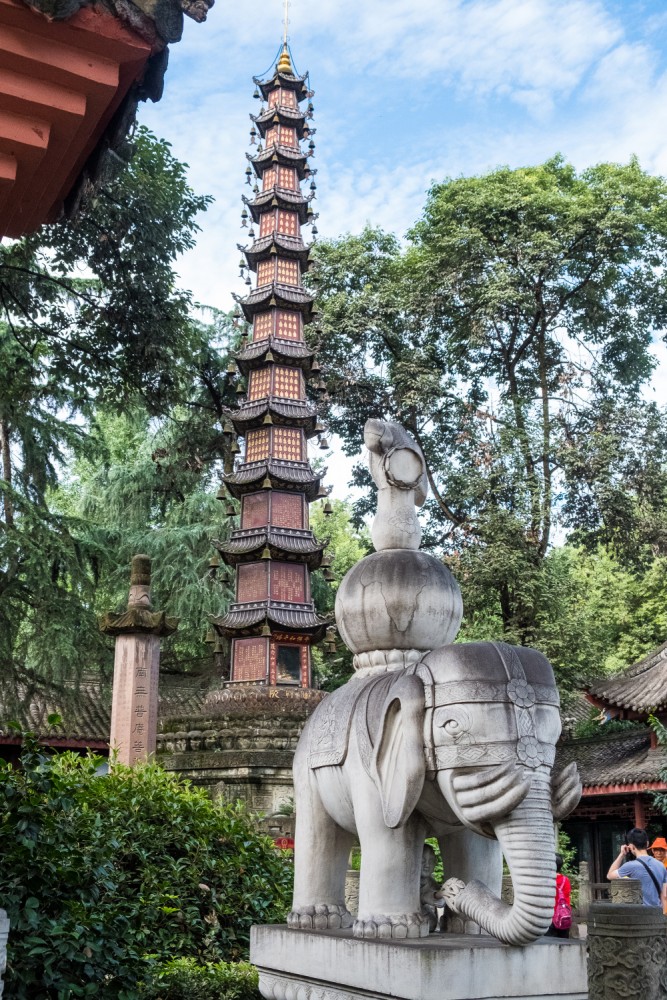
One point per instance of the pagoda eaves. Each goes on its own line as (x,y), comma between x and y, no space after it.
(272,623)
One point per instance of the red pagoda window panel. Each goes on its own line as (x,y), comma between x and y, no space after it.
(287,382)
(287,510)
(288,325)
(273,136)
(262,326)
(287,178)
(249,658)
(287,271)
(260,384)
(288,582)
(280,96)
(288,444)
(287,136)
(267,224)
(265,272)
(255,510)
(252,582)
(269,178)
(257,445)
(288,223)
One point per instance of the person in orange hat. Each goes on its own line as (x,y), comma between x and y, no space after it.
(659,850)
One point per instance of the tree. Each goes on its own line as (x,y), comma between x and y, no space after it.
(511,337)
(92,323)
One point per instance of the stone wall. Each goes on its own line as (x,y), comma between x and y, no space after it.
(243,747)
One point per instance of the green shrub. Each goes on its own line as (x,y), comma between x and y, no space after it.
(184,979)
(104,876)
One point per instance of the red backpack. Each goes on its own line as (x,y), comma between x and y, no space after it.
(562,918)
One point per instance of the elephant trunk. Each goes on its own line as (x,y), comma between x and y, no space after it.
(526,837)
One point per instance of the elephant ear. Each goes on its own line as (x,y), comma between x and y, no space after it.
(399,766)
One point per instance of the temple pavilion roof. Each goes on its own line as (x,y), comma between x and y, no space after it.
(248,619)
(641,688)
(620,759)
(280,115)
(285,156)
(290,81)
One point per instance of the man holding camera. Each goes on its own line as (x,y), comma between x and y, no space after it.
(634,862)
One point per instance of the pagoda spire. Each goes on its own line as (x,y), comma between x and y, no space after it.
(272,622)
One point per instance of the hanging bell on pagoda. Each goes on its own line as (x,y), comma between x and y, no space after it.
(319,427)
(314,231)
(269,357)
(214,564)
(257,94)
(326,559)
(265,630)
(231,367)
(315,368)
(310,110)
(222,493)
(248,281)
(327,509)
(267,421)
(240,390)
(237,312)
(323,491)
(242,266)
(266,483)
(311,148)
(235,450)
(230,509)
(243,342)
(266,553)
(328,575)
(251,231)
(313,186)
(227,428)
(321,386)
(210,635)
(244,217)
(224,578)
(324,444)
(248,175)
(253,139)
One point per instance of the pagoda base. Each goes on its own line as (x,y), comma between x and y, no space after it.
(332,965)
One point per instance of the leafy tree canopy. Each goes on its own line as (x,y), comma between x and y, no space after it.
(511,336)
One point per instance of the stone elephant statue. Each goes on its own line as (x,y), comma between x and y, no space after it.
(459,746)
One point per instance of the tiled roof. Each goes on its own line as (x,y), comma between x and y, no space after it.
(640,688)
(282,350)
(86,711)
(622,758)
(574,709)
(292,247)
(295,617)
(283,475)
(278,294)
(295,413)
(292,541)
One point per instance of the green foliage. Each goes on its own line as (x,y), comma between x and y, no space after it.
(512,338)
(104,876)
(185,979)
(347,545)
(110,423)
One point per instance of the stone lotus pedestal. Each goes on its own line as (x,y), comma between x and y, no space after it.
(332,965)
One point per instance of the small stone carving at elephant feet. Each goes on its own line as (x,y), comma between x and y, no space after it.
(408,925)
(324,916)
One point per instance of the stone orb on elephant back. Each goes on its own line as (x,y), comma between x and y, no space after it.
(397,599)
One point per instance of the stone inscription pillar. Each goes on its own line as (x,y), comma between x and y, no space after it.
(136,668)
(627,952)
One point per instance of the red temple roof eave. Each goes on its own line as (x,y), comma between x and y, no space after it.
(624,789)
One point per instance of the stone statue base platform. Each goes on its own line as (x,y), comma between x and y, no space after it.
(332,965)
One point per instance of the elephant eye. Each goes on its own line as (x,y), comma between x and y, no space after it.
(452,726)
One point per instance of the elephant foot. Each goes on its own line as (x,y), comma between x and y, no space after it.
(323,917)
(403,925)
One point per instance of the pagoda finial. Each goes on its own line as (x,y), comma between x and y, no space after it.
(285,22)
(285,63)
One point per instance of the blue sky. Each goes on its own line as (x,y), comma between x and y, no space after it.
(407,94)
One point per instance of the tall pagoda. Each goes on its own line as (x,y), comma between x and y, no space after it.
(272,622)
